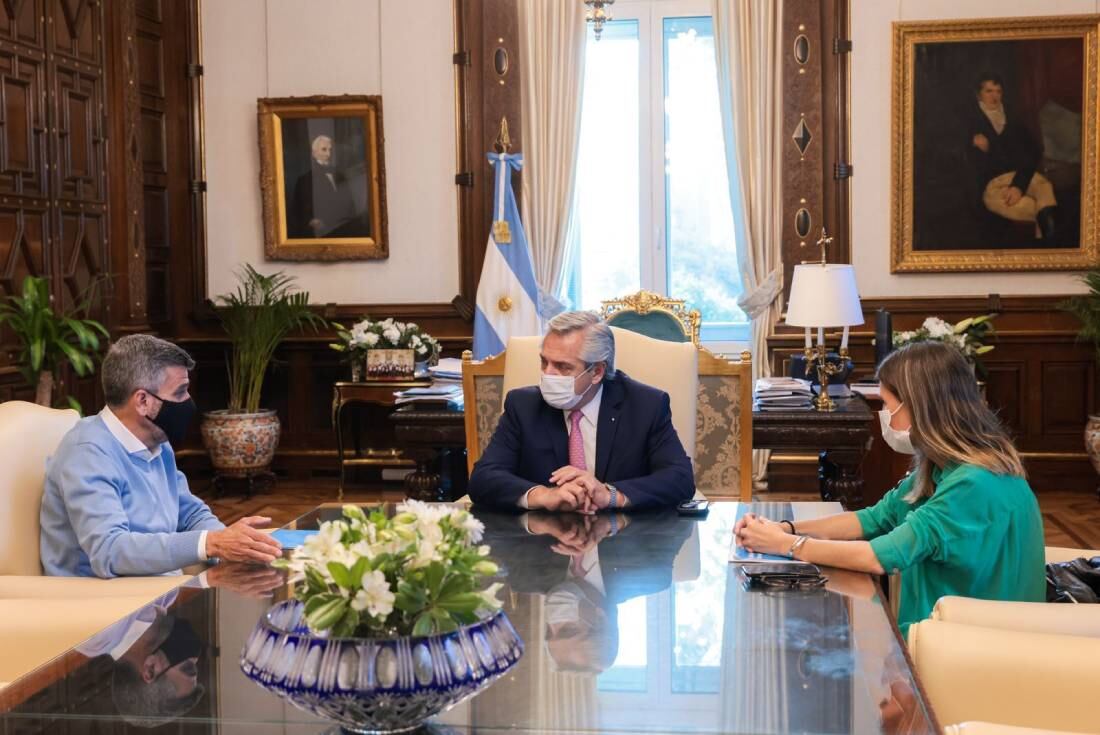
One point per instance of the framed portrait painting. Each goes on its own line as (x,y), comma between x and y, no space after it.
(994,145)
(323,178)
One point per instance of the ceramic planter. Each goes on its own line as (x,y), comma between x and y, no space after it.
(240,444)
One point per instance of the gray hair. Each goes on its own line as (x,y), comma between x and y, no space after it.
(138,361)
(318,141)
(599,341)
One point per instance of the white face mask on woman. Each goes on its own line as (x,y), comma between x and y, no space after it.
(557,390)
(898,440)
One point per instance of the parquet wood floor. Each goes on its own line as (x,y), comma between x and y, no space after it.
(1069,518)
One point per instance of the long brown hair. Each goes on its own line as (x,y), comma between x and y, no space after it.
(951,423)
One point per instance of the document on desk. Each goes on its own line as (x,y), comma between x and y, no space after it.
(771,511)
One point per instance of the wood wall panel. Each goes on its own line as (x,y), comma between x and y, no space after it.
(20,22)
(1066,387)
(53,179)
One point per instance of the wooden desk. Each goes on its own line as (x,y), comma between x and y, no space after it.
(374,392)
(842,438)
(434,438)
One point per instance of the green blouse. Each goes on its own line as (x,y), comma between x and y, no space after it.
(978,535)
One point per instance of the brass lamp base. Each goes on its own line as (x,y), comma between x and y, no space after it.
(825,369)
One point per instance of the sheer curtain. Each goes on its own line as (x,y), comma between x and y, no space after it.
(552,41)
(749,55)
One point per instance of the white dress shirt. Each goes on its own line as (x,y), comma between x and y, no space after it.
(133,445)
(590,414)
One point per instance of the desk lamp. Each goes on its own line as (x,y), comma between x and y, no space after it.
(824,295)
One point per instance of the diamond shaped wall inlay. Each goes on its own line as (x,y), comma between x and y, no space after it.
(802,136)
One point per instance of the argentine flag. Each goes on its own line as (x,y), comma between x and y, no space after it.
(507,295)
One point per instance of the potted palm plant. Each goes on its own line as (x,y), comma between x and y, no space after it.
(1086,308)
(49,339)
(242,438)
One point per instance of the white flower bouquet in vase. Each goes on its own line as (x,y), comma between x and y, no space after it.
(391,350)
(969,335)
(389,624)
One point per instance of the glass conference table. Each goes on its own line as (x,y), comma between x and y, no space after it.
(647,630)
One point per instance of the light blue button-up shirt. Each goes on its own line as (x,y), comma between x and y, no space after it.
(113,508)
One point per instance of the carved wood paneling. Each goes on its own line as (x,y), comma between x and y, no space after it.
(20,22)
(53,179)
(1066,385)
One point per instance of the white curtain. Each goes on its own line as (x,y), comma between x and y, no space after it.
(749,54)
(552,40)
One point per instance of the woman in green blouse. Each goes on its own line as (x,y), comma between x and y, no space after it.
(963,522)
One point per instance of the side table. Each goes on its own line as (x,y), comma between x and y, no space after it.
(842,437)
(378,393)
(434,438)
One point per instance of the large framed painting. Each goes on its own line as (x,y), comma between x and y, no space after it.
(994,159)
(323,178)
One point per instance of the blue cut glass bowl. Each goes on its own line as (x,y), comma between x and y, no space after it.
(372,685)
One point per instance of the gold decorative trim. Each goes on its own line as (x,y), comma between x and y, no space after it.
(644,302)
(907,36)
(278,245)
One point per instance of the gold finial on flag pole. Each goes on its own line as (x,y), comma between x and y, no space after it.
(503,142)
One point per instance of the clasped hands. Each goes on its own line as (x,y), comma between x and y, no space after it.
(758,535)
(571,489)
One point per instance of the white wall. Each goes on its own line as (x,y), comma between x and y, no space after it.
(282,48)
(871,75)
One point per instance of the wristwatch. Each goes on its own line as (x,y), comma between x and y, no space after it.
(614,495)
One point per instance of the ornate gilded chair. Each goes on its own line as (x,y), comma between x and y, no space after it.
(711,401)
(653,315)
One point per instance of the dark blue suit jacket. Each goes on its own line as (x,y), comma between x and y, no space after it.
(637,449)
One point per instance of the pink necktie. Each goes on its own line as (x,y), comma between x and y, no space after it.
(576,441)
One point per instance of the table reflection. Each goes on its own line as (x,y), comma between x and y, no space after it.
(632,623)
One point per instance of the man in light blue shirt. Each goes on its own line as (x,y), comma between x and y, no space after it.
(114,503)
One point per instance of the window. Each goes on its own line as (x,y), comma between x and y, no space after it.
(652,204)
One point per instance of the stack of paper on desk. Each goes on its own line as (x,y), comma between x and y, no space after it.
(782,394)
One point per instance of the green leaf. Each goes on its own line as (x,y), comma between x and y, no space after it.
(434,577)
(361,567)
(315,581)
(424,625)
(345,628)
(74,404)
(342,575)
(456,584)
(326,614)
(466,602)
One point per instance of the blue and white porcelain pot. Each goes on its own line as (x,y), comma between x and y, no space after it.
(371,685)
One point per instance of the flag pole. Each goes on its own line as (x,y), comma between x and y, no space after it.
(503,143)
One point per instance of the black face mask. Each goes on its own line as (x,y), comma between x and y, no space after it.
(174,417)
(181,644)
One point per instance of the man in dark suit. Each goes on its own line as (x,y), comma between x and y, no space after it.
(587,438)
(323,205)
(585,566)
(1006,157)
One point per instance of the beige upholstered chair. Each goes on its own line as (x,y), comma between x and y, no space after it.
(988,728)
(653,315)
(1007,677)
(711,401)
(41,617)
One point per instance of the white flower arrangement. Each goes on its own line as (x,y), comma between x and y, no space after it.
(967,335)
(387,333)
(413,574)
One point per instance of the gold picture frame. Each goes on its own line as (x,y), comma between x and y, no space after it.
(323,178)
(960,158)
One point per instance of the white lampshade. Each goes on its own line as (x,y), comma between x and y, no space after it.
(824,296)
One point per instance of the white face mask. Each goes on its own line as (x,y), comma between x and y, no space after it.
(563,605)
(557,390)
(898,440)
